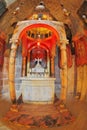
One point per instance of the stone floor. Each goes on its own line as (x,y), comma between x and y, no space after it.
(40,115)
(77,108)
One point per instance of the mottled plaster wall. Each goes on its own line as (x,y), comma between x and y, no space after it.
(9,2)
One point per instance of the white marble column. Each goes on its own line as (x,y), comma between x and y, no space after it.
(64,79)
(52,67)
(48,64)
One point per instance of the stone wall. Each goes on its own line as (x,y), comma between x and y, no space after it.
(4,77)
(9,2)
(71,89)
(4,81)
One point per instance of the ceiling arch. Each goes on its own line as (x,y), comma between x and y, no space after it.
(56,27)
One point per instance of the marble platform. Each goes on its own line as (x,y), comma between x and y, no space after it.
(38,90)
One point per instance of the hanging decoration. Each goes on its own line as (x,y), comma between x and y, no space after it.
(24,46)
(2,47)
(80,43)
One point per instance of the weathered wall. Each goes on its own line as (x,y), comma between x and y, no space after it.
(26,8)
(9,2)
(71,89)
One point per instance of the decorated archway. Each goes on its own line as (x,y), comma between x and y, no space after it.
(58,37)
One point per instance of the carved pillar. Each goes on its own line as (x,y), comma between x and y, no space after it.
(28,64)
(64,79)
(52,67)
(23,66)
(53,53)
(12,72)
(48,64)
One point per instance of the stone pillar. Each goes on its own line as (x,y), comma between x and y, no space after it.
(23,66)
(48,64)
(71,79)
(52,67)
(12,72)
(28,64)
(5,84)
(84,83)
(64,80)
(53,54)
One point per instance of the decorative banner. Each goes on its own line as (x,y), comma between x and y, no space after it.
(2,49)
(69,56)
(38,53)
(80,44)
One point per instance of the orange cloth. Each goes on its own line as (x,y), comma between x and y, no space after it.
(24,46)
(2,49)
(69,56)
(80,43)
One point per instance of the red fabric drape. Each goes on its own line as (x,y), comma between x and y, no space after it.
(80,44)
(2,47)
(24,46)
(69,57)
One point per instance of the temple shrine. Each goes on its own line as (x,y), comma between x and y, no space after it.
(38,36)
(43,64)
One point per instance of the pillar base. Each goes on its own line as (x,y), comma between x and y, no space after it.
(14,108)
